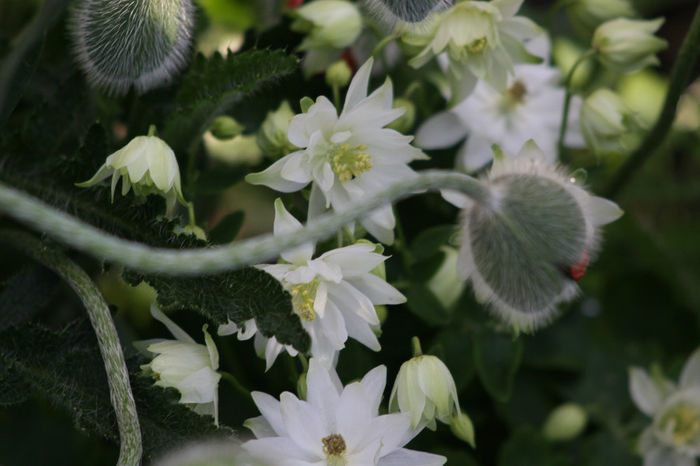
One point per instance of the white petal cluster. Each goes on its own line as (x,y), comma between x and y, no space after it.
(673,438)
(148,165)
(525,250)
(185,365)
(483,40)
(335,425)
(334,295)
(347,157)
(529,108)
(267,348)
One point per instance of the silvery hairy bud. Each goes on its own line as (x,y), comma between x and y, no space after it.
(407,11)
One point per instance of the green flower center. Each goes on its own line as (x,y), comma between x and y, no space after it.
(477,46)
(334,448)
(303,297)
(348,162)
(683,422)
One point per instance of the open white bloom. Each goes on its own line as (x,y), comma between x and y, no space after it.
(267,348)
(347,157)
(334,294)
(529,108)
(148,165)
(335,426)
(673,438)
(185,365)
(483,40)
(425,389)
(525,250)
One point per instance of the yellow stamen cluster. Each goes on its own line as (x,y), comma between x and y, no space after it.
(334,448)
(303,297)
(477,46)
(514,95)
(348,162)
(684,422)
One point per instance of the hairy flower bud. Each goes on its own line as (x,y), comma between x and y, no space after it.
(333,24)
(124,43)
(148,165)
(608,124)
(565,422)
(425,389)
(406,11)
(628,45)
(525,249)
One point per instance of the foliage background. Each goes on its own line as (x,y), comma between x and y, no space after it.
(640,303)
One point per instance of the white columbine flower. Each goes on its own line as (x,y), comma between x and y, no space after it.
(673,438)
(148,165)
(334,294)
(525,250)
(267,348)
(483,40)
(530,108)
(185,365)
(347,157)
(334,426)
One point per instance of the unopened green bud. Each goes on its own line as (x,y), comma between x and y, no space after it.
(586,15)
(225,127)
(301,386)
(446,285)
(405,122)
(272,136)
(462,428)
(333,24)
(608,124)
(628,45)
(338,74)
(566,422)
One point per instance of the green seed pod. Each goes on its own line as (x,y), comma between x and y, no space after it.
(124,43)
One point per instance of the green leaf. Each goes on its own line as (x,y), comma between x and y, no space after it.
(25,294)
(527,447)
(454,349)
(66,368)
(227,229)
(217,179)
(429,241)
(212,86)
(423,303)
(497,358)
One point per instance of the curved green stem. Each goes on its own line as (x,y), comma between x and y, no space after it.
(117,374)
(383,43)
(84,237)
(230,378)
(679,79)
(567,100)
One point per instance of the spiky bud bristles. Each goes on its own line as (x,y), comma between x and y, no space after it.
(411,13)
(520,249)
(124,43)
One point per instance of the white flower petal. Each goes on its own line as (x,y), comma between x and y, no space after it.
(272,178)
(377,289)
(285,224)
(260,427)
(406,457)
(199,387)
(361,331)
(645,393)
(279,451)
(270,409)
(440,131)
(303,423)
(690,377)
(358,86)
(604,211)
(374,382)
(172,326)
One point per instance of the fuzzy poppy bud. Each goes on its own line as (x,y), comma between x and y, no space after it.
(406,11)
(124,43)
(519,248)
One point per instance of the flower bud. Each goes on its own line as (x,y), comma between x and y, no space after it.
(338,74)
(462,428)
(627,45)
(225,127)
(406,11)
(405,122)
(565,422)
(148,165)
(329,24)
(140,43)
(425,388)
(446,285)
(525,248)
(587,15)
(608,124)
(185,365)
(272,136)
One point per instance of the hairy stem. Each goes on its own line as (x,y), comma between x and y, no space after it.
(115,366)
(679,79)
(101,245)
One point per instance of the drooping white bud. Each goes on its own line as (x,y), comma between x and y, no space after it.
(148,165)
(124,43)
(329,24)
(628,45)
(525,250)
(608,124)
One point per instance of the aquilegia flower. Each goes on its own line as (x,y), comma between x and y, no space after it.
(525,250)
(267,348)
(529,108)
(185,365)
(334,294)
(148,165)
(334,426)
(347,157)
(673,438)
(483,40)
